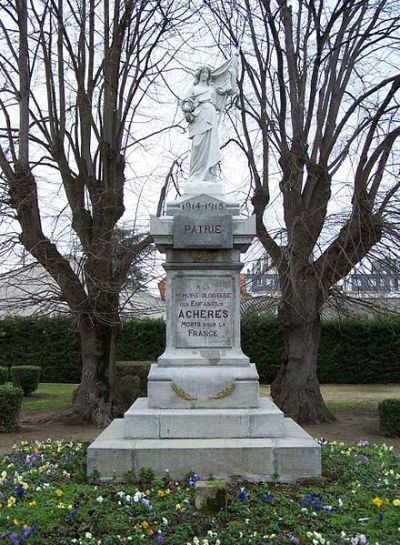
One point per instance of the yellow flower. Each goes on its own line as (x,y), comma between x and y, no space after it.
(161,493)
(11,501)
(59,493)
(32,503)
(145,524)
(377,502)
(396,502)
(1,506)
(168,491)
(178,506)
(386,501)
(16,522)
(60,506)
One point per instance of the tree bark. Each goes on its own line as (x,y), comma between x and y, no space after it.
(95,398)
(296,388)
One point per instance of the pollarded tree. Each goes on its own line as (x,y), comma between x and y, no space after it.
(74,76)
(319,101)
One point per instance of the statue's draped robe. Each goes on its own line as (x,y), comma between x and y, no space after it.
(203,130)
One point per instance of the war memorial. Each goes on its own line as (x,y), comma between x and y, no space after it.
(203,412)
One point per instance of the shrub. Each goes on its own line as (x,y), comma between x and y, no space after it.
(10,406)
(389,417)
(26,376)
(131,382)
(3,375)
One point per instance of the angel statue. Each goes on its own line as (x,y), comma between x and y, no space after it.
(207,96)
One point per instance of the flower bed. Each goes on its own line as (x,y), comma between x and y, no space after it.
(45,497)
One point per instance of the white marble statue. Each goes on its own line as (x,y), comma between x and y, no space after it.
(207,96)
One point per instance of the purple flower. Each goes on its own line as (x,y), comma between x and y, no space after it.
(26,532)
(19,491)
(242,496)
(266,497)
(14,538)
(193,479)
(294,540)
(160,537)
(147,504)
(312,500)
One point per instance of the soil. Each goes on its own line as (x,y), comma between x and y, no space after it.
(351,426)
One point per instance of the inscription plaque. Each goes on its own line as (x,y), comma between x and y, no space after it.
(203,311)
(202,231)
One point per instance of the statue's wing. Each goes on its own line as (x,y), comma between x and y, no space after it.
(224,80)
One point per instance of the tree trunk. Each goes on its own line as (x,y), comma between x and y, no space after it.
(296,388)
(95,398)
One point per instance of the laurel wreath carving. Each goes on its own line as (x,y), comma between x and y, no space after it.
(203,256)
(225,393)
(181,393)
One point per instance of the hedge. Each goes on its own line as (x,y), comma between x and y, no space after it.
(51,343)
(351,350)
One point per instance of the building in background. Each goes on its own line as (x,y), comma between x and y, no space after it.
(370,289)
(378,279)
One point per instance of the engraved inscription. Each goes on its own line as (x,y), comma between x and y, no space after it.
(202,231)
(203,307)
(203,204)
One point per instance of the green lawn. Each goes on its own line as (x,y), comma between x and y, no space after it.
(49,396)
(353,396)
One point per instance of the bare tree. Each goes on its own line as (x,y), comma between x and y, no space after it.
(319,100)
(77,73)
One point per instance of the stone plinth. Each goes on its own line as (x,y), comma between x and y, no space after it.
(290,458)
(141,421)
(203,412)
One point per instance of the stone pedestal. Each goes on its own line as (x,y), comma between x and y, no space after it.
(203,412)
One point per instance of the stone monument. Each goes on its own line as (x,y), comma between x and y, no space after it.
(203,412)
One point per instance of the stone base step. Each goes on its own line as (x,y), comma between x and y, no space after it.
(286,459)
(144,422)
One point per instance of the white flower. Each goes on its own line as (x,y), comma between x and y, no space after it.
(128,498)
(138,496)
(100,499)
(340,502)
(88,535)
(165,521)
